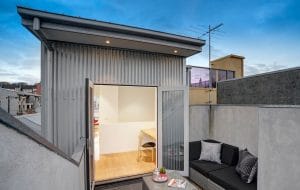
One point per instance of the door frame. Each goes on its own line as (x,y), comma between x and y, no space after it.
(159,91)
(90,183)
(157,115)
(185,172)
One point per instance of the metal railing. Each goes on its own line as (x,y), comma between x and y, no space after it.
(203,77)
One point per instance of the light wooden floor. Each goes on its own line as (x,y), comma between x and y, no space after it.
(118,165)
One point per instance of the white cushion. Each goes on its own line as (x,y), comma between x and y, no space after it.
(210,152)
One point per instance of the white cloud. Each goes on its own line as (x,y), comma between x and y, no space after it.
(20,66)
(251,69)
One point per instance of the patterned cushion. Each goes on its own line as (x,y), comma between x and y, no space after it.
(246,162)
(211,152)
(253,173)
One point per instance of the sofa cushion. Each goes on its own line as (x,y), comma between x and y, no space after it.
(206,166)
(229,179)
(245,164)
(229,154)
(195,149)
(211,152)
(253,173)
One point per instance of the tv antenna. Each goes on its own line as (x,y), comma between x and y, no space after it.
(210,30)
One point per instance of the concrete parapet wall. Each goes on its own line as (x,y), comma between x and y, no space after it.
(27,165)
(199,122)
(279,148)
(235,125)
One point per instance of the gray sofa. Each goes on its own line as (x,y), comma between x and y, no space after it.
(214,176)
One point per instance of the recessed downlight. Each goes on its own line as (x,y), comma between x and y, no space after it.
(107,42)
(175,51)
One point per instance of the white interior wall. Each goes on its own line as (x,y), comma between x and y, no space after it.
(124,111)
(136,104)
(108,99)
(121,136)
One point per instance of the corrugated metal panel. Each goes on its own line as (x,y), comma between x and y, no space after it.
(72,63)
(172,129)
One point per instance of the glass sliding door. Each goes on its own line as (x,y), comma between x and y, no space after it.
(173,129)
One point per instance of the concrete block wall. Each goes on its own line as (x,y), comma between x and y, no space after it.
(280,87)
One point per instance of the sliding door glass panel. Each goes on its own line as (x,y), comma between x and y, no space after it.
(173,129)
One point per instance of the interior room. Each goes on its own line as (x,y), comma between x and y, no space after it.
(125,131)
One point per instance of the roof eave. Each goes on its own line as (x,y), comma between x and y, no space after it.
(91,27)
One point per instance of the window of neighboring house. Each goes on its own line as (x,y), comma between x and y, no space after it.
(222,75)
(230,74)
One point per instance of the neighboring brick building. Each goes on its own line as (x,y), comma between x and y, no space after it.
(230,62)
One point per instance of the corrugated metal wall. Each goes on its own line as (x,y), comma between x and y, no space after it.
(63,78)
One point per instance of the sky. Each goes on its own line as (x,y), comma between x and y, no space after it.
(266,33)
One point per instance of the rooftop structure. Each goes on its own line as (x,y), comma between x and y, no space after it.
(81,55)
(126,96)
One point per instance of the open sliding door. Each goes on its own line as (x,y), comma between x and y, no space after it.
(89,134)
(173,129)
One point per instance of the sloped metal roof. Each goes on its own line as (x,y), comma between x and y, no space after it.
(57,27)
